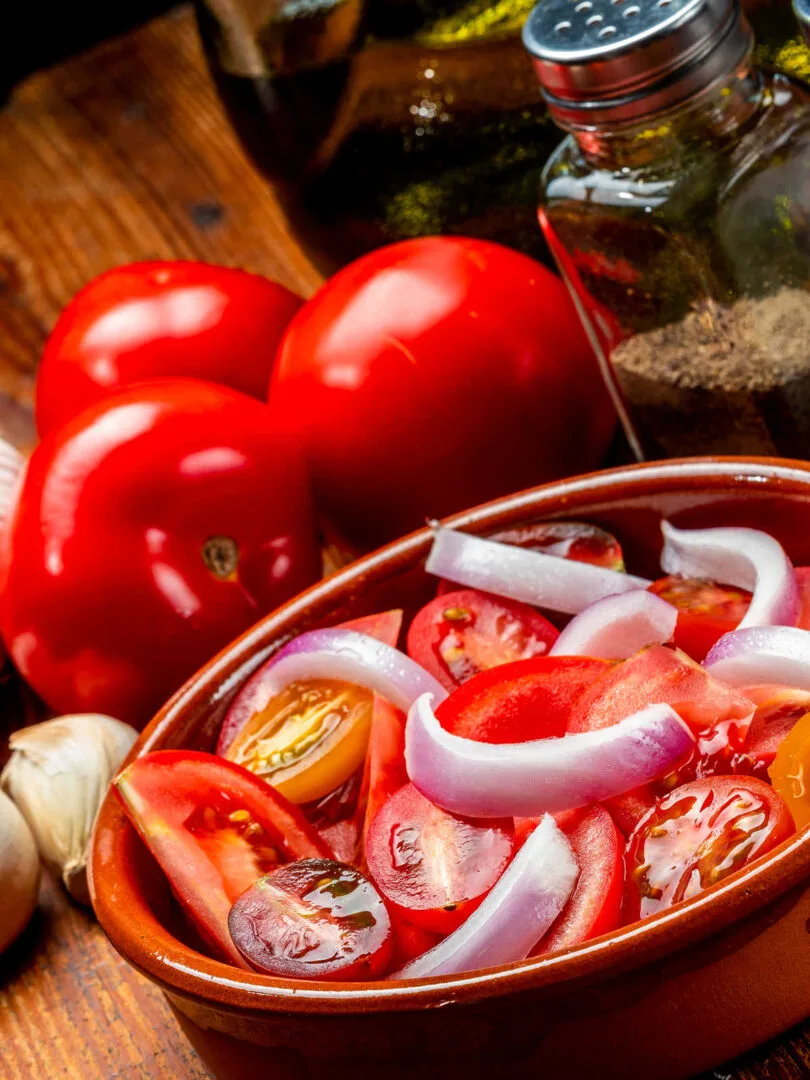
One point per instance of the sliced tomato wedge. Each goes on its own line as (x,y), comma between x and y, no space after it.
(654,675)
(698,835)
(214,828)
(803,581)
(314,919)
(385,626)
(462,633)
(706,611)
(779,708)
(627,810)
(385,771)
(790,771)
(410,940)
(596,905)
(433,867)
(529,699)
(571,539)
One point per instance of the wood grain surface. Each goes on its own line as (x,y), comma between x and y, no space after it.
(124,154)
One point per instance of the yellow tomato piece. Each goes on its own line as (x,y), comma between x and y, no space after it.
(309,739)
(790,771)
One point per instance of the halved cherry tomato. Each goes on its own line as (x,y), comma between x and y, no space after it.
(462,633)
(335,816)
(528,699)
(596,905)
(312,737)
(698,835)
(779,708)
(215,829)
(659,674)
(309,739)
(790,771)
(572,539)
(706,611)
(434,867)
(627,810)
(314,919)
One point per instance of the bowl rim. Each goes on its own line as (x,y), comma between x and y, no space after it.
(143,941)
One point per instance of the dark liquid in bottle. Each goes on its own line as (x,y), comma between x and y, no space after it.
(381,120)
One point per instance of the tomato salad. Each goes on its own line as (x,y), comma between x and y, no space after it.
(561,748)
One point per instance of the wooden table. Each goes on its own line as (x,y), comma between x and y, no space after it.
(117,155)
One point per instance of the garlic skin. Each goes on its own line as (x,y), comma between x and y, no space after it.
(58,775)
(19,872)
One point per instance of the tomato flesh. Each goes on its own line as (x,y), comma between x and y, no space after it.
(596,904)
(529,699)
(779,708)
(434,867)
(706,611)
(214,828)
(314,919)
(462,633)
(654,675)
(309,739)
(698,835)
(571,539)
(790,771)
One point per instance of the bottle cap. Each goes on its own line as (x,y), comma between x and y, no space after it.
(610,61)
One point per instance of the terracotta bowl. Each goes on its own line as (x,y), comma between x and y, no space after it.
(682,992)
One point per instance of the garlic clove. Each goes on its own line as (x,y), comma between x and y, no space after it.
(19,873)
(58,774)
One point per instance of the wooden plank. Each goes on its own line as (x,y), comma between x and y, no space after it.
(124,154)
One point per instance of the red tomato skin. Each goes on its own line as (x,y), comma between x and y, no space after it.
(489,617)
(164,318)
(410,940)
(658,674)
(402,860)
(385,771)
(697,631)
(161,790)
(778,710)
(803,581)
(435,374)
(107,604)
(527,699)
(596,905)
(668,866)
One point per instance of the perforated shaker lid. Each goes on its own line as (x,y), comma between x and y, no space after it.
(613,60)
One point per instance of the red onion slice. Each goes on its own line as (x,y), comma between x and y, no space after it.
(618,627)
(514,915)
(331,654)
(519,574)
(476,779)
(747,558)
(762,654)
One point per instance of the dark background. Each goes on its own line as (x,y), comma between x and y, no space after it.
(37,33)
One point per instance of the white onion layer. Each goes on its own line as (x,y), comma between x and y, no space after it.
(618,626)
(512,918)
(331,654)
(762,654)
(747,558)
(546,581)
(478,779)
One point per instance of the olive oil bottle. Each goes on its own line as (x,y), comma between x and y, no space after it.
(381,120)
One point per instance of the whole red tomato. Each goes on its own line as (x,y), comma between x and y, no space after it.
(150,319)
(435,374)
(149,531)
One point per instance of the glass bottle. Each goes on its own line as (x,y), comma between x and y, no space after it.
(678,209)
(380,120)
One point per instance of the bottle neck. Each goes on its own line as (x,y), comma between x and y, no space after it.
(716,114)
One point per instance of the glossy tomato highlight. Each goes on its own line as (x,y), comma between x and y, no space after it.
(314,919)
(162,318)
(433,375)
(150,531)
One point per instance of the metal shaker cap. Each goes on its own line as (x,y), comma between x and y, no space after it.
(610,61)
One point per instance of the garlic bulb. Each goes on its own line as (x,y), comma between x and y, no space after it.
(58,775)
(19,872)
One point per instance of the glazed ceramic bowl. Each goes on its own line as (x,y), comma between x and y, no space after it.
(669,997)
